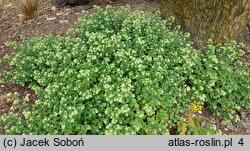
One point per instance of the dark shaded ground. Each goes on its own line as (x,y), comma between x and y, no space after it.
(244,37)
(56,21)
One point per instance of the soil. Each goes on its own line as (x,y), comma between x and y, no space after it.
(57,20)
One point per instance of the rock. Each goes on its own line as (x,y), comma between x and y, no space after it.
(63,21)
(247,121)
(70,2)
(68,9)
(242,124)
(230,126)
(53,18)
(53,8)
(58,14)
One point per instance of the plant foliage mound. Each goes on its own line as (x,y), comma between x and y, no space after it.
(120,72)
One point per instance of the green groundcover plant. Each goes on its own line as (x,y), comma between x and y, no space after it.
(119,72)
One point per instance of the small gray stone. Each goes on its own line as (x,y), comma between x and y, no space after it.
(63,21)
(53,18)
(53,8)
(242,124)
(68,9)
(58,14)
(247,121)
(230,126)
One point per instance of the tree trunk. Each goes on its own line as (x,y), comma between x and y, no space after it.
(219,20)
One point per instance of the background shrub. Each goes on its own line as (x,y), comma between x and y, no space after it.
(119,72)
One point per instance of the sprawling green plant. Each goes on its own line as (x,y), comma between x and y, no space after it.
(222,79)
(120,72)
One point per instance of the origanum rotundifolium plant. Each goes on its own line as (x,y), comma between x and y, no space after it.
(120,72)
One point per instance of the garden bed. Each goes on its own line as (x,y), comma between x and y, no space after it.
(57,21)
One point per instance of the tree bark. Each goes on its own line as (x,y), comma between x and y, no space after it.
(219,20)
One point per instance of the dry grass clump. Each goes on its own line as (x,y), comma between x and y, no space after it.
(29,9)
